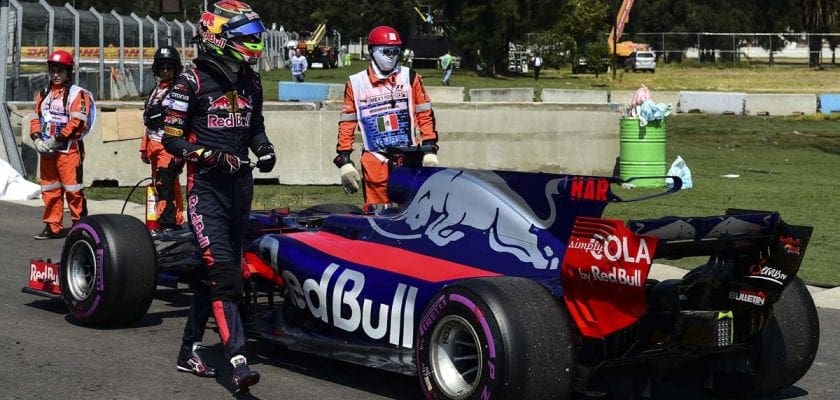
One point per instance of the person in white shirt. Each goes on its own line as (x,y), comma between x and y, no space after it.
(299,66)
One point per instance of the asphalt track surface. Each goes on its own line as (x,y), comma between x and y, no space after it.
(45,355)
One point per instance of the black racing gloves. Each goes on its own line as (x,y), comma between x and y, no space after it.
(224,161)
(265,157)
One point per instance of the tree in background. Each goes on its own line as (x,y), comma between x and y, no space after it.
(487,27)
(819,16)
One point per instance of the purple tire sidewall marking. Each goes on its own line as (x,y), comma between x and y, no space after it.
(99,257)
(491,344)
(89,230)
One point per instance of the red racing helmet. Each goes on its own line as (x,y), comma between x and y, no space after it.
(384,35)
(61,57)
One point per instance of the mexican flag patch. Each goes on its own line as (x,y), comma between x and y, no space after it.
(387,123)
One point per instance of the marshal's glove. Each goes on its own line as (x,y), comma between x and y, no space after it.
(42,148)
(350,178)
(430,157)
(430,160)
(144,157)
(265,157)
(222,160)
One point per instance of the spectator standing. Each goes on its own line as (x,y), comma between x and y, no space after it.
(65,115)
(408,57)
(299,66)
(537,62)
(389,104)
(446,65)
(165,168)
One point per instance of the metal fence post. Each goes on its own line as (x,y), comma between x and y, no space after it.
(119,19)
(75,40)
(140,64)
(101,51)
(16,45)
(155,27)
(181,28)
(168,31)
(50,26)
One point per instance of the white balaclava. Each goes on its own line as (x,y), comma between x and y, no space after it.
(382,64)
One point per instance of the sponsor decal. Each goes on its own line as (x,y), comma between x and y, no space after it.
(337,298)
(589,189)
(173,120)
(604,272)
(760,270)
(179,105)
(198,223)
(171,131)
(44,273)
(230,121)
(749,296)
(179,96)
(611,250)
(213,39)
(791,245)
(243,103)
(221,103)
(617,275)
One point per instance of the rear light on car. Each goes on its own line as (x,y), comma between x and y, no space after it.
(706,329)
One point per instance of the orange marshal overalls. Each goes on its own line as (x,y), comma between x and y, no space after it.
(63,114)
(388,112)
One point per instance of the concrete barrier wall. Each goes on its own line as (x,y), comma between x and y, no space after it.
(712,102)
(574,96)
(622,97)
(504,95)
(570,138)
(780,104)
(829,103)
(445,94)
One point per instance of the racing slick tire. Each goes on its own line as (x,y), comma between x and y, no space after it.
(496,338)
(783,352)
(108,270)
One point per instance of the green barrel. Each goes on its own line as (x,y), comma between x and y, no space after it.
(642,151)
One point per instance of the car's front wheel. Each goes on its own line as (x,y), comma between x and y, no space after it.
(108,270)
(496,338)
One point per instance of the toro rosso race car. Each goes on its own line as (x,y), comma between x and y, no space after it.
(488,284)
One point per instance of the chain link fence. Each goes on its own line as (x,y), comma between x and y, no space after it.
(113,52)
(758,48)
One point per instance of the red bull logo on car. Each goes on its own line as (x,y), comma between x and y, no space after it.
(444,215)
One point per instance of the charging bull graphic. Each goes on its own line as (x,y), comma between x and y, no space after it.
(447,201)
(677,230)
(733,226)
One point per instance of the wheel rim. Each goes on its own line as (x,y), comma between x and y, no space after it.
(81,271)
(456,357)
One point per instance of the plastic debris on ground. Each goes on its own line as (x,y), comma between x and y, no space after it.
(680,170)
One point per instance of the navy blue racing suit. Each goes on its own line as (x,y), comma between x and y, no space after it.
(210,108)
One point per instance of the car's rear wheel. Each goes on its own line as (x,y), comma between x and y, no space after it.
(496,338)
(108,270)
(783,352)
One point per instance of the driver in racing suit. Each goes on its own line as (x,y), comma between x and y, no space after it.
(388,103)
(213,116)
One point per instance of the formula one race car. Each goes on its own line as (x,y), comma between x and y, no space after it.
(489,284)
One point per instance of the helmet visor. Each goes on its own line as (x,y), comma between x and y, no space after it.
(242,25)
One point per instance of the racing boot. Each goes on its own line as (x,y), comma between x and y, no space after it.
(190,361)
(243,377)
